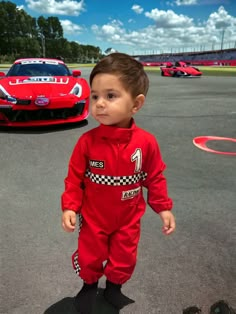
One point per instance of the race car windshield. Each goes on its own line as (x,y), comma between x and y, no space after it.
(39,69)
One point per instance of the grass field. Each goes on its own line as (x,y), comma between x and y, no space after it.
(207,70)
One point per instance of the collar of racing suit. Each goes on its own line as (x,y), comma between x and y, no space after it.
(115,134)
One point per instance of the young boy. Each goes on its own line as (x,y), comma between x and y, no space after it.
(108,169)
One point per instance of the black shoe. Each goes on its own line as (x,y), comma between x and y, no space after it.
(86,298)
(114,296)
(221,307)
(192,310)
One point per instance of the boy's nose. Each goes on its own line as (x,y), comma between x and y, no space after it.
(100,103)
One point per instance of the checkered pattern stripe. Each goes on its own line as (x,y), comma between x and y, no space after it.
(80,219)
(115,181)
(76,264)
(76,255)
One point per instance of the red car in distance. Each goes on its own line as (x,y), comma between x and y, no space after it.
(40,92)
(179,69)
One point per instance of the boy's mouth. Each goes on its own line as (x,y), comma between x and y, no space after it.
(102,115)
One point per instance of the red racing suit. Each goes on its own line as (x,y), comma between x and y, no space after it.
(107,171)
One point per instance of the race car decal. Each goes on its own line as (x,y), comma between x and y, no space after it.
(38,62)
(41,101)
(41,79)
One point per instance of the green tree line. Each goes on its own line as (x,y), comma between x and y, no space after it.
(24,36)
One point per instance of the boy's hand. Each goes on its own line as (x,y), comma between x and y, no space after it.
(168,222)
(68,220)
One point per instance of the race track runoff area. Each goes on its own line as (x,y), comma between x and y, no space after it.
(194,266)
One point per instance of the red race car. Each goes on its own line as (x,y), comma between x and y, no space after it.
(180,69)
(42,91)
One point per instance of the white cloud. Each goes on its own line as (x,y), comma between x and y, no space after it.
(112,32)
(20,7)
(53,7)
(137,9)
(169,30)
(221,19)
(169,19)
(169,3)
(71,28)
(210,2)
(185,2)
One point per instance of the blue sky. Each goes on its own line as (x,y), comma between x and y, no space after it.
(142,26)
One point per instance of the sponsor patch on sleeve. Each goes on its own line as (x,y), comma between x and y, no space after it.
(130,193)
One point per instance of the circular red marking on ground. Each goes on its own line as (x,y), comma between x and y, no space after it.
(201,141)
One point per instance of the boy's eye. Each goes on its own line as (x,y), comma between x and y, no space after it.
(94,97)
(110,95)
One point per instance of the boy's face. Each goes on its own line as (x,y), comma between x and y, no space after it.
(111,103)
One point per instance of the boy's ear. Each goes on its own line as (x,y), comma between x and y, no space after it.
(138,103)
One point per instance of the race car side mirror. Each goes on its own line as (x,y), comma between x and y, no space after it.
(2,74)
(76,73)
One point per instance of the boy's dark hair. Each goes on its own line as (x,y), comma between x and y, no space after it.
(130,72)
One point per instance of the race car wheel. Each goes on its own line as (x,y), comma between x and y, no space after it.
(178,74)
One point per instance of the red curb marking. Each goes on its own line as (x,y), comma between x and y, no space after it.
(201,141)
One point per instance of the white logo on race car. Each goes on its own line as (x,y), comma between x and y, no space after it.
(41,101)
(40,79)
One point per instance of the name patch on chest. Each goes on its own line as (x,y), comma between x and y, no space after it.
(97,164)
(130,193)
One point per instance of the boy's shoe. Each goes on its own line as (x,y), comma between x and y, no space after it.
(86,298)
(221,307)
(115,297)
(192,310)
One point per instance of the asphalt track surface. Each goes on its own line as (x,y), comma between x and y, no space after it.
(194,266)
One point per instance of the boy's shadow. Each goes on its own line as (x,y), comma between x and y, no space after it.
(66,306)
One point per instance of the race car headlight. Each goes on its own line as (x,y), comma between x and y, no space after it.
(77,90)
(4,95)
